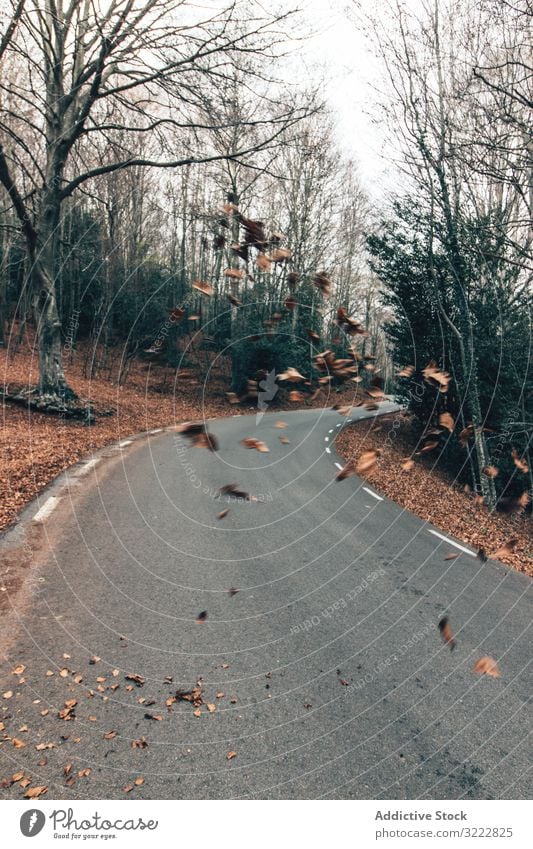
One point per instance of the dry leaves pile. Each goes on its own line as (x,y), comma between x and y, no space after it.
(432,495)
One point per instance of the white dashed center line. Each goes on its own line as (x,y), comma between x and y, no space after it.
(328,450)
(339,466)
(326,439)
(451,542)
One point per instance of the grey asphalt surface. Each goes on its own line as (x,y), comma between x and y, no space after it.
(336,683)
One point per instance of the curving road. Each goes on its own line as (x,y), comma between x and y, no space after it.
(335,681)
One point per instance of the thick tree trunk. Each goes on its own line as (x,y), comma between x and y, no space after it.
(43,259)
(52,379)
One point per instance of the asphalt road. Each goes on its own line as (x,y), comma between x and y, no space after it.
(334,678)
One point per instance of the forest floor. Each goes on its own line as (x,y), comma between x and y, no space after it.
(36,447)
(433,495)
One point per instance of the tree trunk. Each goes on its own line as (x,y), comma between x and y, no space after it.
(43,255)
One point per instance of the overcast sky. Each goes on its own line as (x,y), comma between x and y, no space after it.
(342,49)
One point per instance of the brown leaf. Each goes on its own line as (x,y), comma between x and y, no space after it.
(137,679)
(18,670)
(138,781)
(490,471)
(231,755)
(139,744)
(8,694)
(35,792)
(446,420)
(487,666)
(446,632)
(367,460)
(251,442)
(201,618)
(280,424)
(203,287)
(519,462)
(127,788)
(18,744)
(506,549)
(109,735)
(223,513)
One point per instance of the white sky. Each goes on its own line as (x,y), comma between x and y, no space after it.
(342,49)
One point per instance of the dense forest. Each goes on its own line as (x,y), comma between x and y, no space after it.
(165,190)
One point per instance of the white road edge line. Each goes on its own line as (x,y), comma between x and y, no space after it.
(339,466)
(375,495)
(124,443)
(90,464)
(451,542)
(49,505)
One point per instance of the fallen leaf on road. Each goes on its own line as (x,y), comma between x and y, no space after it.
(280,424)
(18,670)
(35,792)
(137,679)
(201,617)
(138,781)
(109,735)
(231,755)
(223,513)
(8,694)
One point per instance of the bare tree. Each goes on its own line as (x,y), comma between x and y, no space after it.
(78,72)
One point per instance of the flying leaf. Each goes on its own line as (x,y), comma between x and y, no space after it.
(487,666)
(446,632)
